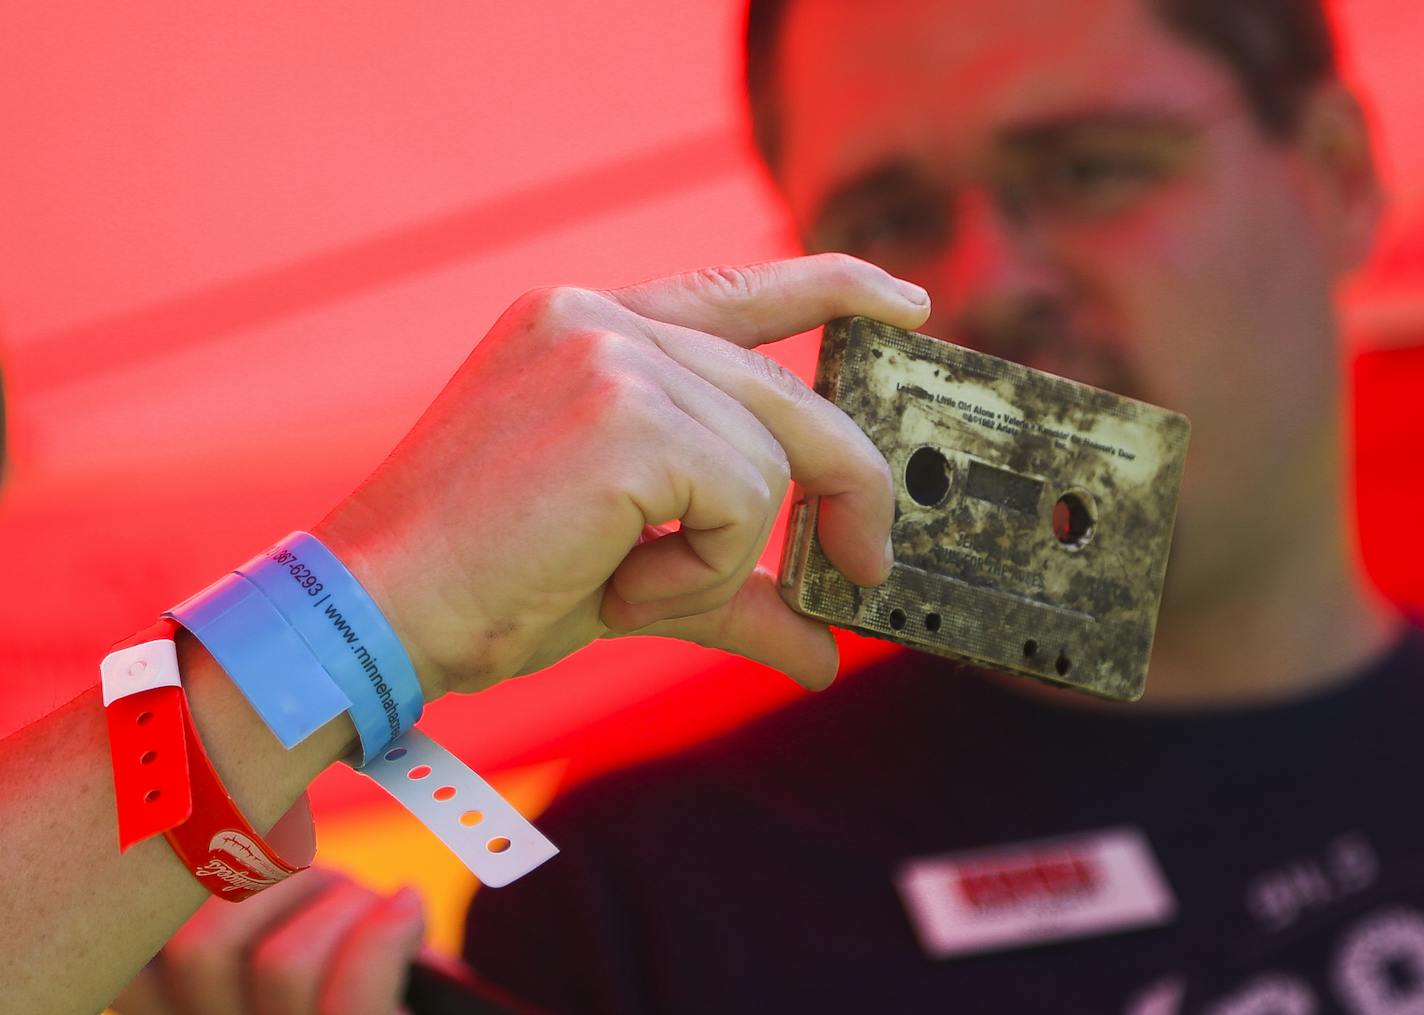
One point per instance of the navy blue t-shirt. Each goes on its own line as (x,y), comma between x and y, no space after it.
(758,872)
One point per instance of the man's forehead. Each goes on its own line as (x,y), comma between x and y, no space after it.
(862,83)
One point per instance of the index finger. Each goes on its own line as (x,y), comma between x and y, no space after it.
(760,303)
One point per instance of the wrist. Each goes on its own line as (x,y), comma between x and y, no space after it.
(263,777)
(377,563)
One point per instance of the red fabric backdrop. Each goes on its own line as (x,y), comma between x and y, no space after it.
(243,247)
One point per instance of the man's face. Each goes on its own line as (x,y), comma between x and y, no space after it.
(1083,191)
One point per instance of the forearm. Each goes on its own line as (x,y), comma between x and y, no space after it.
(84,919)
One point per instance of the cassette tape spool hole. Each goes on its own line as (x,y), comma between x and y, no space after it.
(927,477)
(1074,520)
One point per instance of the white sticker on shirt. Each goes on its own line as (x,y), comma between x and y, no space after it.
(1031,893)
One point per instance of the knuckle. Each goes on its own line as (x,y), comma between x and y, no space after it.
(726,282)
(607,371)
(750,506)
(778,469)
(844,269)
(598,351)
(555,306)
(764,499)
(631,402)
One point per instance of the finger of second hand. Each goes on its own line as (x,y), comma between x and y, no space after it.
(288,966)
(369,974)
(202,964)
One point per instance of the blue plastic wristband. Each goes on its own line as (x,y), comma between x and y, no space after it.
(302,659)
(263,656)
(345,630)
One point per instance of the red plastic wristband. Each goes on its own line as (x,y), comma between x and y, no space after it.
(217,844)
(164,782)
(147,744)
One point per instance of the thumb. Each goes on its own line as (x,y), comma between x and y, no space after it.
(757,623)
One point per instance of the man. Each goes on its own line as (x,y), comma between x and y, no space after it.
(1155,196)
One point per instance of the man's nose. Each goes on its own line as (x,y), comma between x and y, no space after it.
(994,277)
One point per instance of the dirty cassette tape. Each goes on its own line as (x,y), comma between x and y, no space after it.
(1033,514)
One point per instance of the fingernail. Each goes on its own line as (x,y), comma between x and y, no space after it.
(915,294)
(889,553)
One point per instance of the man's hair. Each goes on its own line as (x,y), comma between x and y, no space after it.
(1277,50)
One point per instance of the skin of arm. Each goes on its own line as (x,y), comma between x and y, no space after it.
(86,917)
(645,406)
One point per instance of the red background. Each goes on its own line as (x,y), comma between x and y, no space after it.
(242,247)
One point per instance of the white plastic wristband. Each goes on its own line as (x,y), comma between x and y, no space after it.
(479,826)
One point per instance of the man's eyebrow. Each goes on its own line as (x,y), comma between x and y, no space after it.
(883,180)
(898,176)
(1046,133)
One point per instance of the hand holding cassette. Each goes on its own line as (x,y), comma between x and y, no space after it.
(611,462)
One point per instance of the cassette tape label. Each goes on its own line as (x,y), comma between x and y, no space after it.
(998,418)
(1033,514)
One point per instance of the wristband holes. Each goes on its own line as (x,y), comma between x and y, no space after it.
(151,796)
(143,718)
(444,793)
(395,754)
(498,844)
(471,818)
(419,772)
(148,757)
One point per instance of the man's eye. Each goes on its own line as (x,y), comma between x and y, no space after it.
(1097,170)
(1093,184)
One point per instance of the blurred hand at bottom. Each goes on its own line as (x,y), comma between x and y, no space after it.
(315,944)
